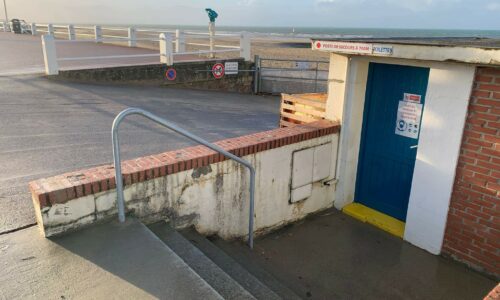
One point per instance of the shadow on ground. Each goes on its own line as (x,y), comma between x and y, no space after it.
(332,256)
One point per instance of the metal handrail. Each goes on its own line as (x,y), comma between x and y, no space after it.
(179,130)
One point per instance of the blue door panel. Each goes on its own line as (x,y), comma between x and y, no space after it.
(386,160)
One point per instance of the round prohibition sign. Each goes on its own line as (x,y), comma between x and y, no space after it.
(218,70)
(171,74)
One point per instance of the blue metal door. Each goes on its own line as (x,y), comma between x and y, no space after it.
(389,137)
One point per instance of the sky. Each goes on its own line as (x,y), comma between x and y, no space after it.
(427,14)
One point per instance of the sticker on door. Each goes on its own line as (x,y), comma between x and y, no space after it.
(408,119)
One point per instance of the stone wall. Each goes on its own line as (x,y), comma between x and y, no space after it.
(195,75)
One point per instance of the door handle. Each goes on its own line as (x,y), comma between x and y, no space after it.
(413,147)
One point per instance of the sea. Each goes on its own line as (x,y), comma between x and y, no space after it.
(333,32)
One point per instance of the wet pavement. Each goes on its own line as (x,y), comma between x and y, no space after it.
(50,127)
(333,256)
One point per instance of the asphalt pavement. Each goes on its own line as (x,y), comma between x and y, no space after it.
(50,127)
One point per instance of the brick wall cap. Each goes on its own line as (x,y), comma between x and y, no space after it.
(65,187)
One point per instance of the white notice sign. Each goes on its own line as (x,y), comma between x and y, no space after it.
(408,119)
(344,47)
(231,68)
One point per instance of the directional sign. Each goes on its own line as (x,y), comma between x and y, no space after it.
(218,70)
(171,74)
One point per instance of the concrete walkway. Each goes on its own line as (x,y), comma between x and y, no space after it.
(48,128)
(109,261)
(333,256)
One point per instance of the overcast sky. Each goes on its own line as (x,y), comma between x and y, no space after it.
(447,14)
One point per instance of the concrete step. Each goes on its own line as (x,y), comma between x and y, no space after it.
(106,261)
(255,279)
(226,286)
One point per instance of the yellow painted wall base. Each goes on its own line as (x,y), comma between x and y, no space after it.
(376,218)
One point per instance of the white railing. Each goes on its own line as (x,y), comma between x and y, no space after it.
(179,38)
(167,52)
(5,26)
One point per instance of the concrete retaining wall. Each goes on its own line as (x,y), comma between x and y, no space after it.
(195,75)
(196,186)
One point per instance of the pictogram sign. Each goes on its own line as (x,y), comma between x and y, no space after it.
(218,70)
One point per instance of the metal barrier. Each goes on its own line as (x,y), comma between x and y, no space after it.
(166,54)
(291,76)
(179,130)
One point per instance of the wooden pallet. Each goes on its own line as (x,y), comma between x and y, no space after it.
(302,108)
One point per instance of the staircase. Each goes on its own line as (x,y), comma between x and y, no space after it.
(221,271)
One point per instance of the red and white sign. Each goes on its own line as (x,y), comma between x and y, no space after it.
(343,47)
(412,97)
(171,74)
(218,70)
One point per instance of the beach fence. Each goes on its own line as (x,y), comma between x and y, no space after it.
(291,76)
(172,46)
(4,26)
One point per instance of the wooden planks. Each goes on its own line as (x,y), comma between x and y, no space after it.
(302,108)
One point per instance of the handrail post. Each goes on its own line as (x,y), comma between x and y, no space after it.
(180,41)
(33,29)
(50,55)
(98,33)
(245,46)
(50,29)
(132,37)
(172,126)
(166,49)
(71,32)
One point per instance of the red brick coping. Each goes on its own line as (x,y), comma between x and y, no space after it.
(65,187)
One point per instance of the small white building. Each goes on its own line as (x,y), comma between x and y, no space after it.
(403,105)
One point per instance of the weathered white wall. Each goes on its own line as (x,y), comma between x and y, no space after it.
(443,120)
(213,198)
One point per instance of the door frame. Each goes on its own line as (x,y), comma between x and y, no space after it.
(364,133)
(437,154)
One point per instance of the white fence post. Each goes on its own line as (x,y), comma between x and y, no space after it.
(245,46)
(166,49)
(98,34)
(33,29)
(211,33)
(180,41)
(50,55)
(50,29)
(71,33)
(6,26)
(132,42)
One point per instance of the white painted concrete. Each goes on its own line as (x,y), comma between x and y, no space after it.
(438,150)
(166,49)
(214,199)
(50,55)
(132,36)
(443,121)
